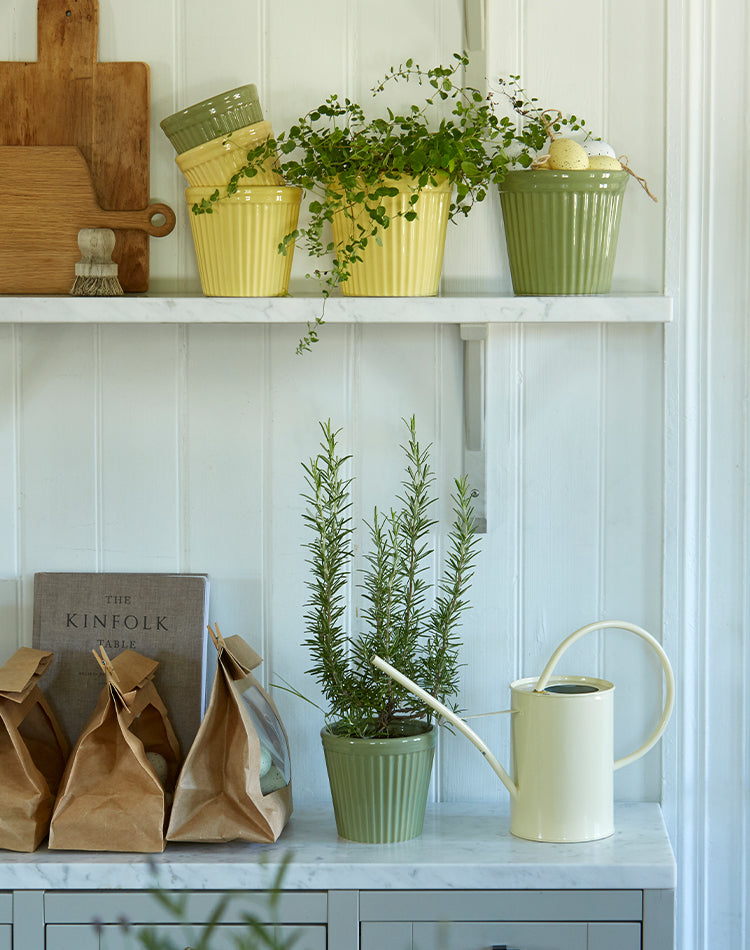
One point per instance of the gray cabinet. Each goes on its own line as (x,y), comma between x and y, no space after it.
(451,919)
(6,921)
(480,936)
(225,937)
(478,920)
(90,920)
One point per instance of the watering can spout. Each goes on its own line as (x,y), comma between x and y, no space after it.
(451,717)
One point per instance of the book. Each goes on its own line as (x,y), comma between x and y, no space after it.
(162,616)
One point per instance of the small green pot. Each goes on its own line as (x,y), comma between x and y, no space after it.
(379,786)
(206,120)
(561,228)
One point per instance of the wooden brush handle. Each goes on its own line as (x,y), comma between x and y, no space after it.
(96,245)
(140,220)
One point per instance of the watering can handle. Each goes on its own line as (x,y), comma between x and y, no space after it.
(657,648)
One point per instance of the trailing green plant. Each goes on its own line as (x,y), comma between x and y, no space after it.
(408,622)
(347,161)
(538,124)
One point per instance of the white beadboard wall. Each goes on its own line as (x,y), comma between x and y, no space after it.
(617,454)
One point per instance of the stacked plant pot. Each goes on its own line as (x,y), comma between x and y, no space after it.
(236,244)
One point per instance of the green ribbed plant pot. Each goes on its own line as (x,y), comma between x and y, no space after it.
(379,786)
(561,229)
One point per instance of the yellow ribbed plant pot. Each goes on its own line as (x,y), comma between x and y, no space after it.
(237,245)
(379,786)
(410,261)
(213,163)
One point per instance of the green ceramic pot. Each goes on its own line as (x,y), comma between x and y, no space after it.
(379,786)
(561,228)
(210,118)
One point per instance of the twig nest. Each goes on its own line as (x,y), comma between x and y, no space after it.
(604,163)
(565,154)
(597,147)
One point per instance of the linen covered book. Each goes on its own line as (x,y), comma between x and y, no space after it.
(162,616)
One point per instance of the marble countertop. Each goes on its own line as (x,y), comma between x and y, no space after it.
(464,846)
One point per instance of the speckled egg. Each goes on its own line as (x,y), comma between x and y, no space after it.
(565,154)
(604,163)
(265,760)
(159,765)
(597,147)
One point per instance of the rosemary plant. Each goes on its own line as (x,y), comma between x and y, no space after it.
(408,623)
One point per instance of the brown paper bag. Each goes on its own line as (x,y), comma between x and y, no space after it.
(235,783)
(112,796)
(33,751)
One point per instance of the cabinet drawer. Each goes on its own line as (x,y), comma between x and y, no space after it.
(225,937)
(139,907)
(483,936)
(572,905)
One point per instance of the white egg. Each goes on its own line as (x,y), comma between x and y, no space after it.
(596,147)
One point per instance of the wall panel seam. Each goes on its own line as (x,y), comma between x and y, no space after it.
(602,495)
(704,398)
(266,502)
(17,342)
(99,517)
(352,382)
(603,67)
(182,440)
(518,390)
(744,650)
(442,490)
(179,73)
(262,66)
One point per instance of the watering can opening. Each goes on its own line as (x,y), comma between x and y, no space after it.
(571,688)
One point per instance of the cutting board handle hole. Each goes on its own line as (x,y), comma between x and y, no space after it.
(158,219)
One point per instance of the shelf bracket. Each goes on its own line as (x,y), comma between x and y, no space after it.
(474,14)
(474,43)
(474,336)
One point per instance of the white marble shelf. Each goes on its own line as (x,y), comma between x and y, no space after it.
(604,308)
(463,846)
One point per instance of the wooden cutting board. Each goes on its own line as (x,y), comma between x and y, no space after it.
(46,198)
(66,97)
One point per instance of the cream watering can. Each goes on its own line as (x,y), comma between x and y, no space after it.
(561,744)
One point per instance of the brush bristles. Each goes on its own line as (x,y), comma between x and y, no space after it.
(96,287)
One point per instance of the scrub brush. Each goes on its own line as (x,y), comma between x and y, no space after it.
(96,273)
